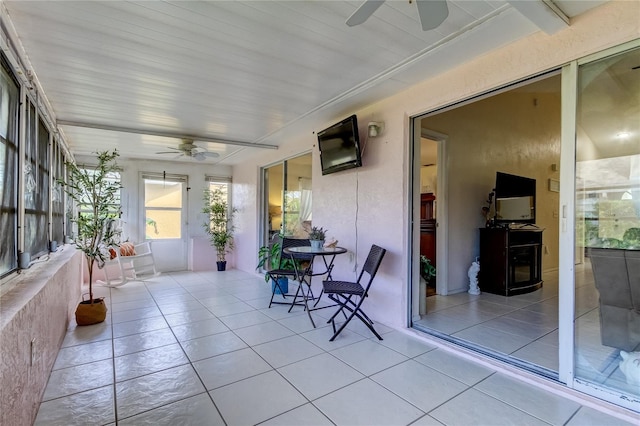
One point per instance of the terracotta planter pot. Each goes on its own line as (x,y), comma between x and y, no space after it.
(88,313)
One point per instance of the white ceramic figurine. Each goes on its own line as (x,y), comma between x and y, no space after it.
(630,367)
(473,277)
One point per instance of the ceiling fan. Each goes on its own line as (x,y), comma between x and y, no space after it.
(188,149)
(432,13)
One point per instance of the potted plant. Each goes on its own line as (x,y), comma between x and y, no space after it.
(95,192)
(427,270)
(269,258)
(220,224)
(316,237)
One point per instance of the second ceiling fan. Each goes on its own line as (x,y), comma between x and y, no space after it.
(432,13)
(188,149)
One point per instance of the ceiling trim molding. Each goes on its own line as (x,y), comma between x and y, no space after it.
(543,14)
(163,134)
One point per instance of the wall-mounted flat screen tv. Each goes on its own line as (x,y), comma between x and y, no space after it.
(339,146)
(515,199)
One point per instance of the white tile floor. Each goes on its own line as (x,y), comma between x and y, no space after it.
(525,327)
(204,349)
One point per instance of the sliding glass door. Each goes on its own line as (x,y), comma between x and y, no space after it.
(287,197)
(607,227)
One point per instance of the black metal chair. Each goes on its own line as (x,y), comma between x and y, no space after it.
(344,293)
(287,268)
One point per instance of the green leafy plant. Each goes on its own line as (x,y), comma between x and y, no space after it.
(631,238)
(220,225)
(96,192)
(317,233)
(269,257)
(427,270)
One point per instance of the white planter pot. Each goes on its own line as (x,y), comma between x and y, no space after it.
(316,244)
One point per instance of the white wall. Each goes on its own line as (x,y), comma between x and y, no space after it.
(370,204)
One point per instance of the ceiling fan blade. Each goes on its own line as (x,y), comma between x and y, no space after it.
(166,152)
(211,154)
(363,13)
(199,156)
(432,13)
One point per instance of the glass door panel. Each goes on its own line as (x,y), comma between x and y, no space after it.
(297,197)
(163,209)
(287,197)
(164,214)
(273,188)
(607,231)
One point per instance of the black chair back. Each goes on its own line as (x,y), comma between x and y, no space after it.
(371,265)
(288,242)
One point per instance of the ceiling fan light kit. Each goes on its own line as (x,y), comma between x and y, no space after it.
(188,149)
(432,13)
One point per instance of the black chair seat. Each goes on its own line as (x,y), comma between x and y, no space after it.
(346,287)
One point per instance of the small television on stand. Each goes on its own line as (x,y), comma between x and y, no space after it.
(515,198)
(339,146)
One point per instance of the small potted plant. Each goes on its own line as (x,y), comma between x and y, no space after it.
(427,270)
(270,259)
(95,191)
(220,224)
(316,237)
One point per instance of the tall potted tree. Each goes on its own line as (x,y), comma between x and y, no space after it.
(220,224)
(95,191)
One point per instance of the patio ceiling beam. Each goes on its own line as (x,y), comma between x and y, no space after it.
(163,134)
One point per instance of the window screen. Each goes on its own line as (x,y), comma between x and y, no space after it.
(9,113)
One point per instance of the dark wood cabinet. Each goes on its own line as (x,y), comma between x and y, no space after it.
(427,227)
(510,260)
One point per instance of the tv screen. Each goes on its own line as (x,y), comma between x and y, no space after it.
(339,146)
(515,199)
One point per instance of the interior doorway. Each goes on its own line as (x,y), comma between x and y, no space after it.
(515,130)
(428,213)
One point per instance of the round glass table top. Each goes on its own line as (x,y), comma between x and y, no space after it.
(321,251)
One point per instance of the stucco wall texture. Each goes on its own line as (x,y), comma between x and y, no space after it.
(36,309)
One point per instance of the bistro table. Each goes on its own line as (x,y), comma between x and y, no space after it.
(328,256)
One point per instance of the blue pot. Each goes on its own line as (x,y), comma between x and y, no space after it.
(283,287)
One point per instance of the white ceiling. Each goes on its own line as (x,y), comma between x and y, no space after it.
(244,71)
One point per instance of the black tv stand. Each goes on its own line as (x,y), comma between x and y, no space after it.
(510,259)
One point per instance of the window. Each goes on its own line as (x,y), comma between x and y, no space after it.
(163,201)
(9,114)
(221,183)
(36,185)
(57,197)
(114,208)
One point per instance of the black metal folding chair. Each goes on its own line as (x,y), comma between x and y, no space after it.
(344,293)
(287,270)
